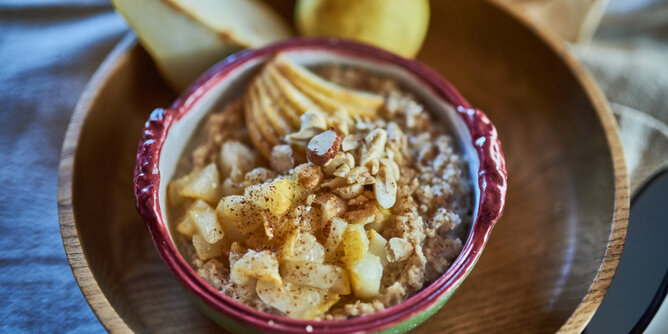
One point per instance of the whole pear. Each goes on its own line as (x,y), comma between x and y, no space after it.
(399,26)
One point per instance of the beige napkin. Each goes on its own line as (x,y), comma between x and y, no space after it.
(628,56)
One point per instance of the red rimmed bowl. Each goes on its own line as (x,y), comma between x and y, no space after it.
(167,132)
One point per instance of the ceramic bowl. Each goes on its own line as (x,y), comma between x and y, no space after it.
(167,131)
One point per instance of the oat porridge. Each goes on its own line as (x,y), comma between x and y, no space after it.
(322,193)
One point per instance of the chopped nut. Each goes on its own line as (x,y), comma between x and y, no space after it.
(350,142)
(372,151)
(334,182)
(363,216)
(309,175)
(349,191)
(398,249)
(312,123)
(385,188)
(341,159)
(395,137)
(359,174)
(342,171)
(392,166)
(323,147)
(281,158)
(340,122)
(331,206)
(359,200)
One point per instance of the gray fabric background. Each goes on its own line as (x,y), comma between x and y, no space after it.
(49,50)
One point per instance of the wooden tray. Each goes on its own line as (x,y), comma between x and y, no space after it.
(549,261)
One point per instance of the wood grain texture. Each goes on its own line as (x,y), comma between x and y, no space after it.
(548,263)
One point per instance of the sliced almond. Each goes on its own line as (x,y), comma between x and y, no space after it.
(385,188)
(372,151)
(323,147)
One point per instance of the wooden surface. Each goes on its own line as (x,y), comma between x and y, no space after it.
(567,193)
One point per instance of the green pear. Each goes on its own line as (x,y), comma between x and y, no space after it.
(399,26)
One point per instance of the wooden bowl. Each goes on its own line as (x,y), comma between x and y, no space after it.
(553,254)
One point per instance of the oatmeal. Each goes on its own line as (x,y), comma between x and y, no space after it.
(322,193)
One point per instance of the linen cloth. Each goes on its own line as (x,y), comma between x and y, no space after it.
(49,50)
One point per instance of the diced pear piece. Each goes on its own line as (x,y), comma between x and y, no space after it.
(333,232)
(186,37)
(186,226)
(235,154)
(236,214)
(302,246)
(308,79)
(204,218)
(174,190)
(318,275)
(355,243)
(206,250)
(377,245)
(300,302)
(386,215)
(275,196)
(203,184)
(237,251)
(365,275)
(261,265)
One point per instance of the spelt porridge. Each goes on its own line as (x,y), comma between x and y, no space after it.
(322,193)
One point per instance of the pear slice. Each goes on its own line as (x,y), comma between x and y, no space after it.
(287,109)
(300,101)
(260,117)
(186,37)
(320,96)
(330,104)
(250,23)
(271,109)
(348,96)
(257,138)
(265,138)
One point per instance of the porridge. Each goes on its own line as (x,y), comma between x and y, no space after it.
(322,193)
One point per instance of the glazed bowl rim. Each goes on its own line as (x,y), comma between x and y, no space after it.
(491,180)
